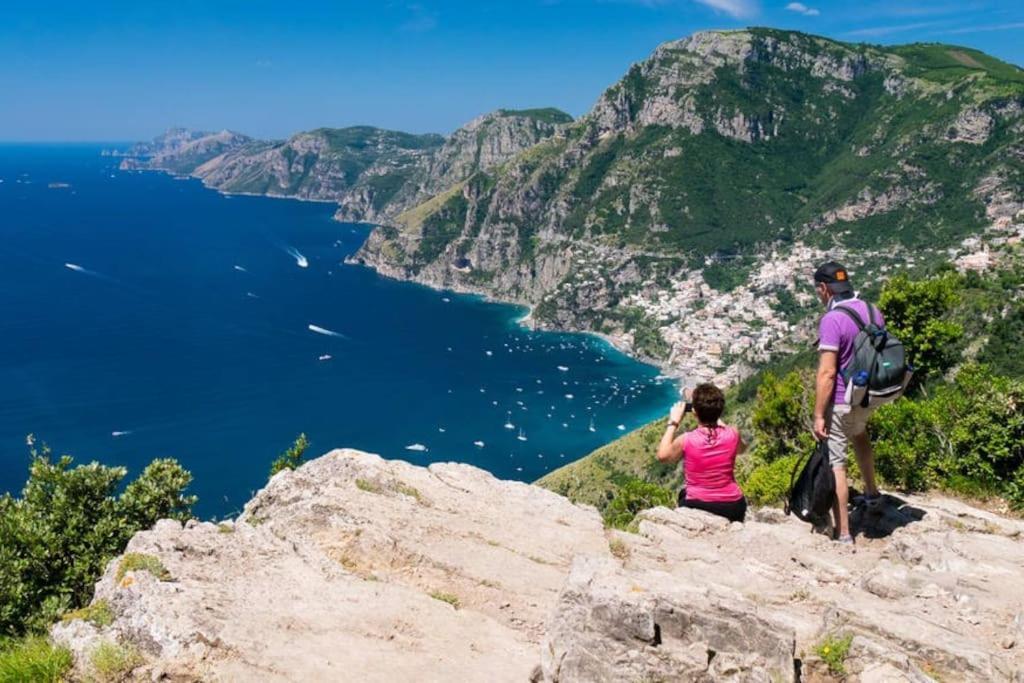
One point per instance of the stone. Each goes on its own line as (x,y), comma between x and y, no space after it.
(387,571)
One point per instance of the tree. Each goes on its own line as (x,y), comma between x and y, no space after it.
(916,312)
(56,539)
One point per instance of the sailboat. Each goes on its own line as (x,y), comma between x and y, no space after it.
(591,427)
(522,435)
(508,421)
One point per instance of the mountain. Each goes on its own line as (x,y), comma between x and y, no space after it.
(353,567)
(180,150)
(727,163)
(373,174)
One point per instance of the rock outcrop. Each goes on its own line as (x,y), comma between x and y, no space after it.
(357,568)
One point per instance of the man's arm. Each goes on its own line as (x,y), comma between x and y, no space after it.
(828,363)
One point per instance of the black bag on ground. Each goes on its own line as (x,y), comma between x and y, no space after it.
(812,494)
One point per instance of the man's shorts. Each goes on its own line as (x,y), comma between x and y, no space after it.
(845,422)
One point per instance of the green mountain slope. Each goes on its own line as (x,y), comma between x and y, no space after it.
(719,154)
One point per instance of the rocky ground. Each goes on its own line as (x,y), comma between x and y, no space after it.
(357,568)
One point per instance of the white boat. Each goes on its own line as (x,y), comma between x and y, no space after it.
(325,356)
(591,427)
(478,444)
(508,421)
(522,435)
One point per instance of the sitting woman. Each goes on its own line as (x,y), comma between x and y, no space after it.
(708,454)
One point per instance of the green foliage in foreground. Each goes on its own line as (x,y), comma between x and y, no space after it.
(114,661)
(967,436)
(833,651)
(33,660)
(56,539)
(633,496)
(916,312)
(291,458)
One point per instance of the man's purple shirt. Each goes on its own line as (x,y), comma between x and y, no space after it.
(836,332)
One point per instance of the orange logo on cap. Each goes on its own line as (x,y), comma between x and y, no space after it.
(840,275)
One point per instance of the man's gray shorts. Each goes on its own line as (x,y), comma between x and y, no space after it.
(845,422)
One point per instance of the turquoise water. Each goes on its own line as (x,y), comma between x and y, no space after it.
(145,316)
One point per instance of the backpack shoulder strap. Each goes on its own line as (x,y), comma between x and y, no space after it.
(853,315)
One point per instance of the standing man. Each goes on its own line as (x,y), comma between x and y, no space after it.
(834,419)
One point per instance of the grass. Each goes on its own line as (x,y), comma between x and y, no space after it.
(34,659)
(400,487)
(833,650)
(113,661)
(98,614)
(133,562)
(618,549)
(450,598)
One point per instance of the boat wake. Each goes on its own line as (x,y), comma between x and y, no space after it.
(326,332)
(301,260)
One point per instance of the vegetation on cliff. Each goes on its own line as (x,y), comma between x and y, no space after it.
(57,537)
(960,428)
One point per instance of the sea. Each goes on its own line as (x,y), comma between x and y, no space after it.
(145,316)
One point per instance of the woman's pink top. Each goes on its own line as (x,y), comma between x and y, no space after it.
(708,459)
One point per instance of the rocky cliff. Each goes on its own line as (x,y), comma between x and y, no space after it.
(726,163)
(373,174)
(357,568)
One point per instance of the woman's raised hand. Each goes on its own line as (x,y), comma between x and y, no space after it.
(676,413)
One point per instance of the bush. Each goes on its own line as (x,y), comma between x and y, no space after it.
(768,483)
(915,311)
(632,497)
(781,416)
(33,660)
(68,523)
(967,436)
(291,458)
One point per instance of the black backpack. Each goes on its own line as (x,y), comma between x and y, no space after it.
(878,372)
(812,494)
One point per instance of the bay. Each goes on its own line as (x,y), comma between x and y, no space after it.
(145,316)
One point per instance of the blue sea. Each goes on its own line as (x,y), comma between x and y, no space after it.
(145,316)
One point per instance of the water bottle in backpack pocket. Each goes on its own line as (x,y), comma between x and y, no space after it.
(878,372)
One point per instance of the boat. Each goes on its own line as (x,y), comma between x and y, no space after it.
(522,435)
(591,427)
(508,421)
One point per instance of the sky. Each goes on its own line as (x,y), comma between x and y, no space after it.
(114,71)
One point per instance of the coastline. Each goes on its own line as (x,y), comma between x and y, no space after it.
(526,320)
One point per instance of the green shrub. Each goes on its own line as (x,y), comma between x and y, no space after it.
(768,482)
(833,651)
(33,660)
(967,435)
(781,415)
(632,497)
(916,311)
(56,539)
(292,457)
(113,661)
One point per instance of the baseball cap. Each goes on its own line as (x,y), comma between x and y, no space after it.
(835,276)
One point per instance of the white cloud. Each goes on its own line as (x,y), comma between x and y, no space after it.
(875,31)
(990,27)
(739,9)
(801,8)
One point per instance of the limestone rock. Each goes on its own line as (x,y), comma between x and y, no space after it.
(357,568)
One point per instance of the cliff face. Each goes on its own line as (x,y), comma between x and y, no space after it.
(357,568)
(372,174)
(711,162)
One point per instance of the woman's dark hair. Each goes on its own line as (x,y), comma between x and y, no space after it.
(708,404)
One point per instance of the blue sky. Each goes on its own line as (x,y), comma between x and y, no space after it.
(127,70)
